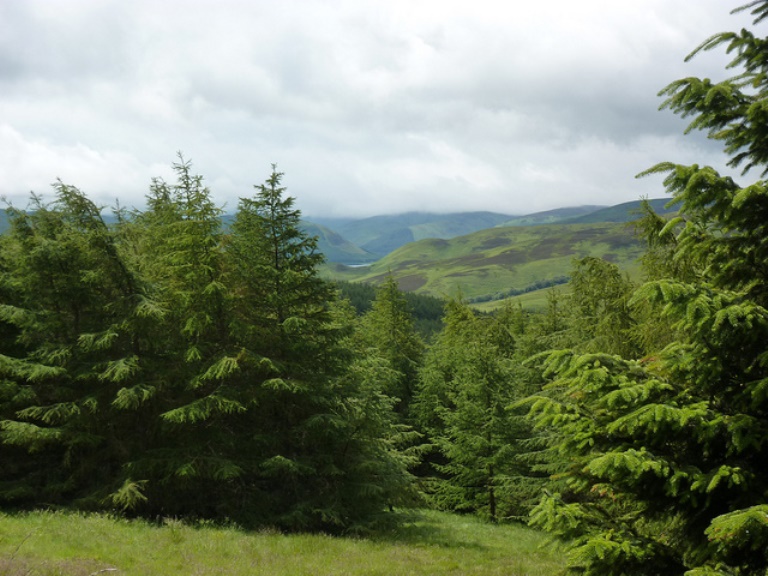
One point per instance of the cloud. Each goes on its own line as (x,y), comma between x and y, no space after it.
(368,106)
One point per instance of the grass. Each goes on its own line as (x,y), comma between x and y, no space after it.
(431,543)
(536,301)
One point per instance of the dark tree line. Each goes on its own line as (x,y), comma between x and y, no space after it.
(162,367)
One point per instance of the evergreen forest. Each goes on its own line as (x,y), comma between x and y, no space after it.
(162,364)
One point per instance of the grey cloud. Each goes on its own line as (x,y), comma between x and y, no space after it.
(367,106)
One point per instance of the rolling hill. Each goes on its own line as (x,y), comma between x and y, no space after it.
(552,216)
(626,212)
(335,247)
(380,235)
(492,263)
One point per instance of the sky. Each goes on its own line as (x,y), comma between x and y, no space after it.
(367,107)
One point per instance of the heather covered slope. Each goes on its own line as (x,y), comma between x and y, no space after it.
(490,263)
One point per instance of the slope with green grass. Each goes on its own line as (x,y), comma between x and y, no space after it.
(492,262)
(383,234)
(626,212)
(552,216)
(428,544)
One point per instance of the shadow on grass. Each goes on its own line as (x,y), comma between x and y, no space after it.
(419,528)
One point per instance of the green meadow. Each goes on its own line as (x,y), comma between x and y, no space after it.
(426,543)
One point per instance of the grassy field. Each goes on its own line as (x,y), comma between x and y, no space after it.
(534,301)
(430,543)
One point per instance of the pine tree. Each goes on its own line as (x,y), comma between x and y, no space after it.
(160,367)
(324,447)
(599,304)
(189,464)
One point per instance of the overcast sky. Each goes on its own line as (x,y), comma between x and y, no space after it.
(368,107)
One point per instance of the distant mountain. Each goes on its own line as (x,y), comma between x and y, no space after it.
(335,247)
(381,235)
(626,212)
(552,216)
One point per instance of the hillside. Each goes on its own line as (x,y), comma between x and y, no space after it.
(378,236)
(552,216)
(335,247)
(626,212)
(381,235)
(490,263)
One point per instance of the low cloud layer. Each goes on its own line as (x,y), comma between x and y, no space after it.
(368,107)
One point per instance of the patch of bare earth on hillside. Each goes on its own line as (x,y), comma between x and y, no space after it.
(552,248)
(68,567)
(436,242)
(411,283)
(494,243)
(506,258)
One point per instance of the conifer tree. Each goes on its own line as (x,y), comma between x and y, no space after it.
(159,367)
(324,448)
(599,303)
(468,382)
(667,455)
(188,465)
(388,327)
(70,313)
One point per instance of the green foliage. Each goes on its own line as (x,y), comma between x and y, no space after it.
(663,459)
(160,366)
(388,328)
(468,383)
(426,311)
(599,303)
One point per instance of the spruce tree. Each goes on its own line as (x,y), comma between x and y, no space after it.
(70,315)
(389,328)
(319,427)
(666,455)
(189,462)
(599,305)
(468,383)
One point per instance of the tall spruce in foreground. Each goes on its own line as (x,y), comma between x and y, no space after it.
(668,454)
(187,464)
(162,368)
(319,429)
(290,358)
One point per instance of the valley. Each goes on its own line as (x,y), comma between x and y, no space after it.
(516,258)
